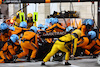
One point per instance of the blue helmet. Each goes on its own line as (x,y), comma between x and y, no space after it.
(69,28)
(12,28)
(92,34)
(34,29)
(84,22)
(55,20)
(23,25)
(51,20)
(90,22)
(3,26)
(40,25)
(44,27)
(14,37)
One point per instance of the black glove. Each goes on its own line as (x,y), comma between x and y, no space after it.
(9,42)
